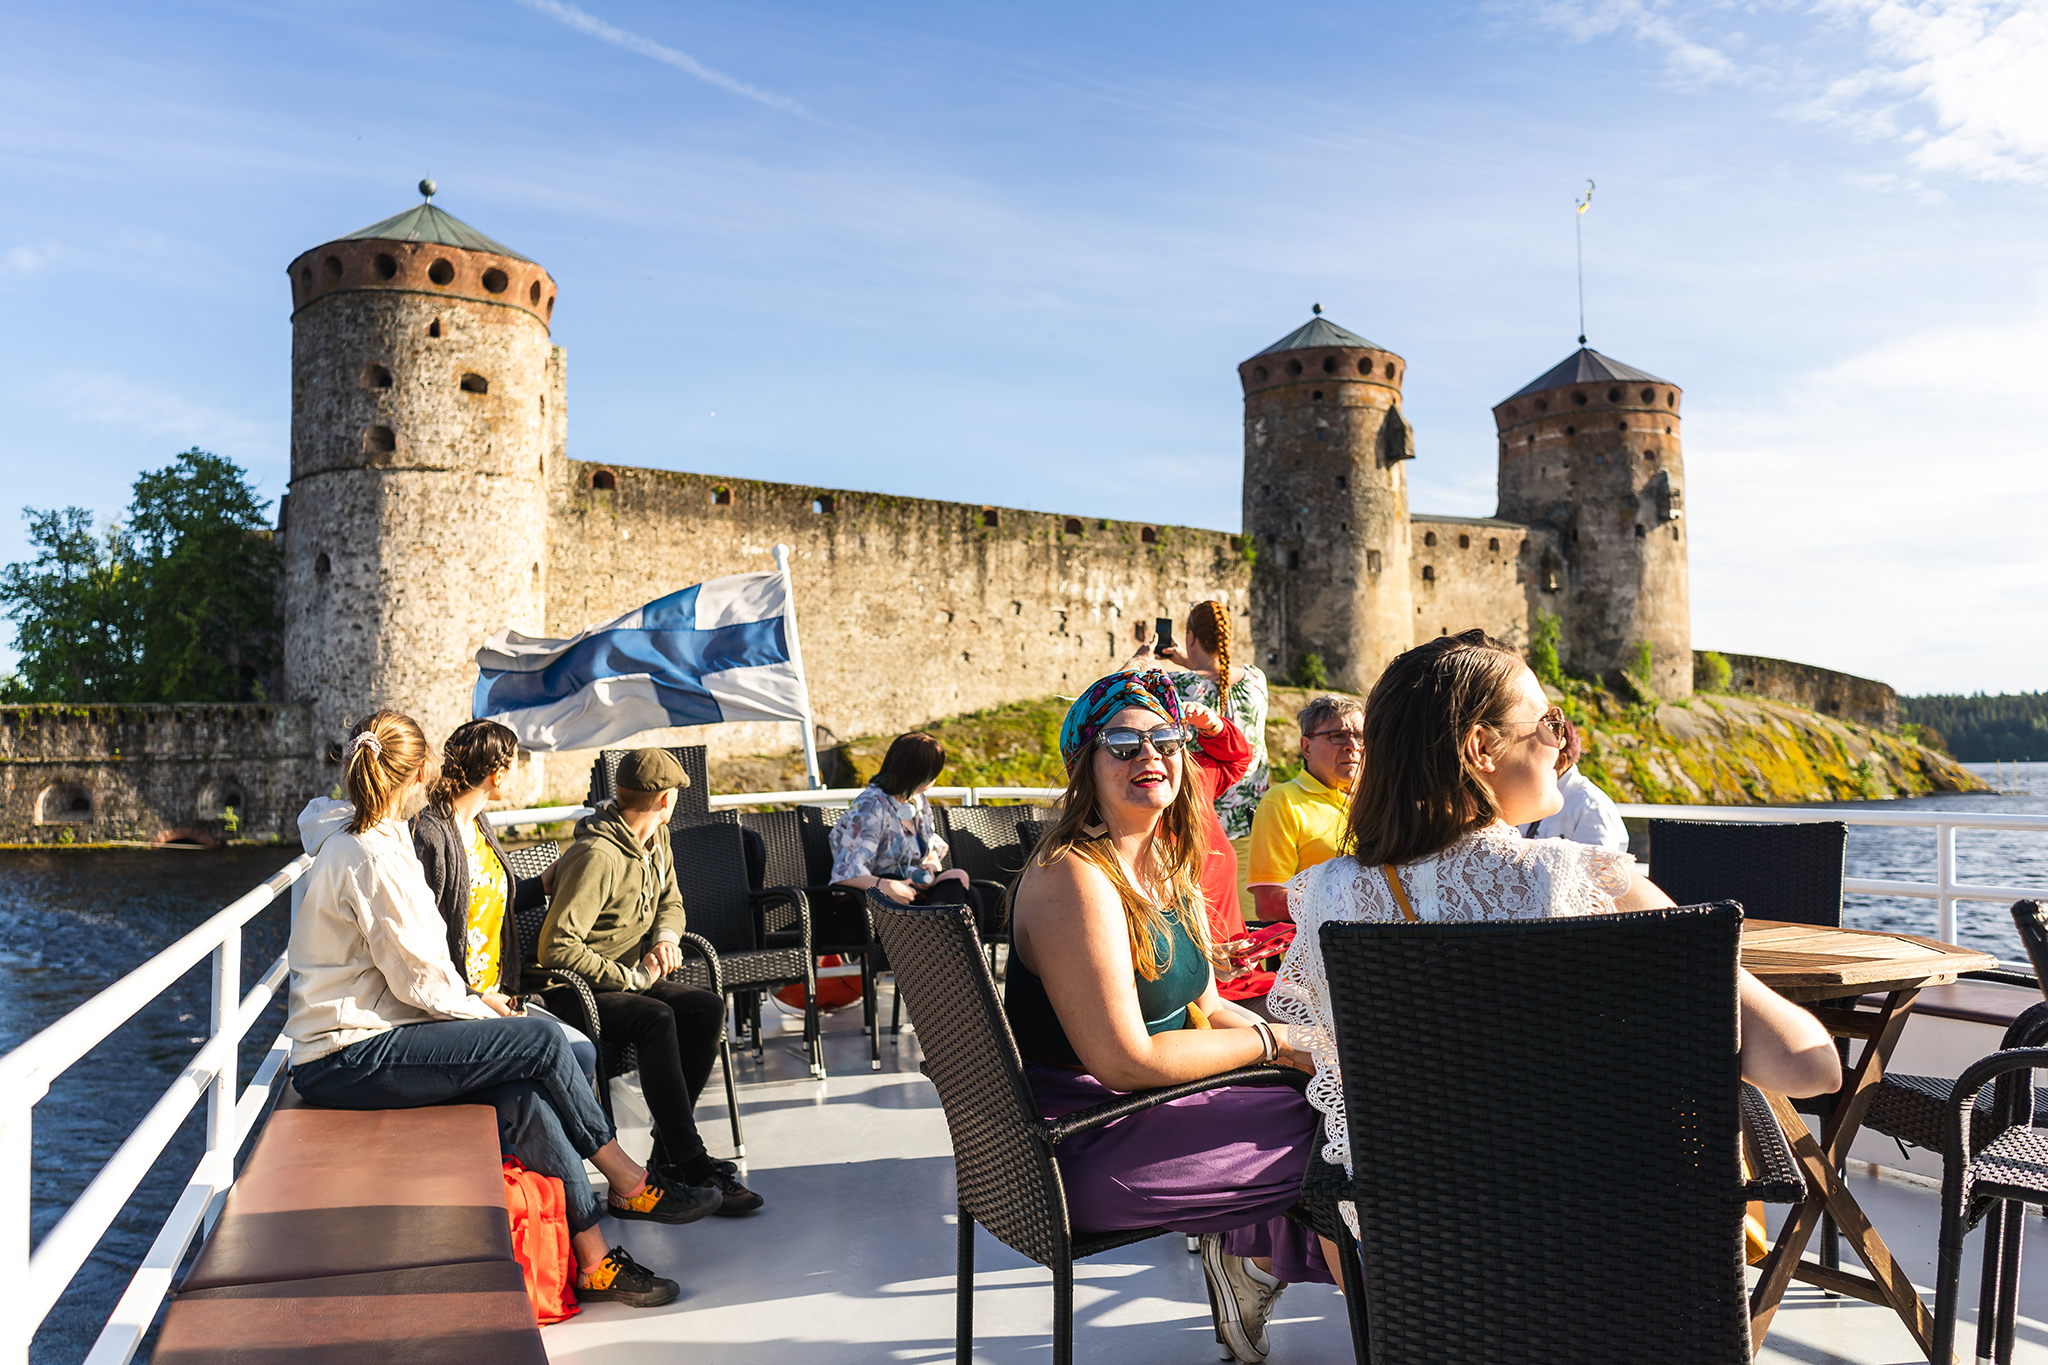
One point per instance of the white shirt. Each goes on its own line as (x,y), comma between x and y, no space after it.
(368,949)
(1589,816)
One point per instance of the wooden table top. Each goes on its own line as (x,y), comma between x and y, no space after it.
(1803,962)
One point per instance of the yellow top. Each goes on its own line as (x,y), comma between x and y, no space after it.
(484,932)
(1299,824)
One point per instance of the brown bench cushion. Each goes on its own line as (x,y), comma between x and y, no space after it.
(342,1192)
(1975,1002)
(432,1315)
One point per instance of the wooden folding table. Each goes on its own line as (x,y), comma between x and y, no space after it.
(1805,963)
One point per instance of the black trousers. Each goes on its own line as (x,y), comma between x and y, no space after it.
(675,1029)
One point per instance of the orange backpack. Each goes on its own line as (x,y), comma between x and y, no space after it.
(540,1241)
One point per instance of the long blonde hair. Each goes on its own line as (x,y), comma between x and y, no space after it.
(1180,849)
(385,751)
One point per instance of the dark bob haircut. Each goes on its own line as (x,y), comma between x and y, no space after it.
(913,760)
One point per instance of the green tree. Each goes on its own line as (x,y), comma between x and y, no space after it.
(1713,673)
(1309,672)
(178,604)
(207,569)
(73,609)
(1543,641)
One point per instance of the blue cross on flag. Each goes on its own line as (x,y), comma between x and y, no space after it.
(723,650)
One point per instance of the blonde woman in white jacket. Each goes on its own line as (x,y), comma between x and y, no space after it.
(379,1019)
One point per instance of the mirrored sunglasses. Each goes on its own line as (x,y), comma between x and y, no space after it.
(1125,744)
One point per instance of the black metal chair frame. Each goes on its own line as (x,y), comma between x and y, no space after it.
(615,1059)
(1003,1152)
(1461,1009)
(1992,1182)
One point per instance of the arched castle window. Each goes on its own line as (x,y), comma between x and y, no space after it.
(1543,405)
(322,565)
(1071,527)
(1641,530)
(379,442)
(1294,559)
(1493,543)
(1670,400)
(1372,561)
(603,480)
(1365,367)
(1649,395)
(1147,536)
(1429,573)
(375,377)
(533,293)
(1429,537)
(721,496)
(1464,542)
(333,267)
(824,504)
(475,383)
(1614,395)
(64,803)
(1578,398)
(1390,369)
(1317,396)
(219,797)
(434,328)
(991,517)
(1343,482)
(1259,373)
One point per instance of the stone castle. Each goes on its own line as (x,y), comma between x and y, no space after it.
(433,500)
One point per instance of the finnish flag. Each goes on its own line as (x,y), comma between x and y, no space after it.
(723,650)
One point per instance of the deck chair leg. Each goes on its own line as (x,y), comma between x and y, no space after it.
(732,1099)
(1063,1313)
(2009,1280)
(872,1008)
(895,1012)
(1352,1277)
(963,1294)
(754,1008)
(1948,1287)
(1987,1285)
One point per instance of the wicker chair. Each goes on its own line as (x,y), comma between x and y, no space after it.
(1993,1184)
(983,842)
(1002,1150)
(1597,1216)
(613,1058)
(693,803)
(760,939)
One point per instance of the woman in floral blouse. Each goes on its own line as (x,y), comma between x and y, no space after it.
(1230,689)
(888,840)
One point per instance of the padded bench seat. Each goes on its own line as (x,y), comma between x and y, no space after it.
(434,1315)
(360,1236)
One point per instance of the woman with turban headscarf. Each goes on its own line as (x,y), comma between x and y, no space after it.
(1111,988)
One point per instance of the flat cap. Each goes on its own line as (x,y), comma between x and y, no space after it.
(651,770)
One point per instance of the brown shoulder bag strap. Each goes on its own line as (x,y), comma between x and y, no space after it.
(1400,896)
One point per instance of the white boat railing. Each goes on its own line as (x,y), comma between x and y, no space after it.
(27,1072)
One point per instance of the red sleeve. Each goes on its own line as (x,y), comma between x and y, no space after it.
(1227,753)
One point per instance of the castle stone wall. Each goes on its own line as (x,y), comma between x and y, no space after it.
(1817,689)
(1480,571)
(144,772)
(907,609)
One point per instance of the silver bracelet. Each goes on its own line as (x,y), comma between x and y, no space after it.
(1266,1038)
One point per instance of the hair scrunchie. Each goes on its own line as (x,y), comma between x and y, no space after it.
(365,740)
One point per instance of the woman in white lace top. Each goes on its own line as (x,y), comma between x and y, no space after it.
(1462,746)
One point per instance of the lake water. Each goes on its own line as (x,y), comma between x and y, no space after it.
(72,922)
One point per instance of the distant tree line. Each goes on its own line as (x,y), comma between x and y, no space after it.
(1983,729)
(176,603)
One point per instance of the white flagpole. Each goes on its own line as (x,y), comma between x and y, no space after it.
(796,656)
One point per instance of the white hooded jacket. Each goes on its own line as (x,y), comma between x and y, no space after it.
(368,949)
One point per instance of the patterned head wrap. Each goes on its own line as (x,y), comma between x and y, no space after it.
(1107,696)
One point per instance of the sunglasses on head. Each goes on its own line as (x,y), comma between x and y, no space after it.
(1126,744)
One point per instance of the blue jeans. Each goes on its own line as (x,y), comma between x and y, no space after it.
(547,1115)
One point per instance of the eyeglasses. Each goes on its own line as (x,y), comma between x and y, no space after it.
(1552,724)
(1125,745)
(1342,738)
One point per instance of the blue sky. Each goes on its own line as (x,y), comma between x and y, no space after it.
(1012,254)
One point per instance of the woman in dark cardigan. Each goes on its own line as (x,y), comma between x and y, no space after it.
(472,882)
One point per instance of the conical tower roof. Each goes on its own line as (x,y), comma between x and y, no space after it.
(1320,331)
(1583,366)
(425,223)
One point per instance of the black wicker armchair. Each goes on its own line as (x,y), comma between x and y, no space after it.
(1004,1171)
(693,803)
(758,940)
(1596,1216)
(615,1058)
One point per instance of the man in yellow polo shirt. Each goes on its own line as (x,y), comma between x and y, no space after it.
(1301,822)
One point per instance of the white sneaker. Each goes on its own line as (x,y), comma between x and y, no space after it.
(1242,1299)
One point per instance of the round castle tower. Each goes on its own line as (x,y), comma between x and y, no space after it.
(1592,449)
(1326,502)
(425,410)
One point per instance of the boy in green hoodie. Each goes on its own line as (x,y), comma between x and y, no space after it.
(615,890)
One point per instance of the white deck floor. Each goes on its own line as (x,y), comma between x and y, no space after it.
(852,1259)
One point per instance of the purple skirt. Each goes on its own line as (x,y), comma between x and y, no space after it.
(1227,1161)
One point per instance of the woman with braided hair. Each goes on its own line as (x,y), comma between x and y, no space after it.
(1212,676)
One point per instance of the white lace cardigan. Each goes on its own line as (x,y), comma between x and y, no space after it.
(1491,873)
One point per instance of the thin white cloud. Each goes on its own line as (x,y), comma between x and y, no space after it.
(1958,81)
(597,28)
(116,400)
(1686,60)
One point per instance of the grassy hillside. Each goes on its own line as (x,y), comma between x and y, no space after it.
(1714,750)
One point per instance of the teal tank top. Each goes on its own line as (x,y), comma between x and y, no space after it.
(1164,1002)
